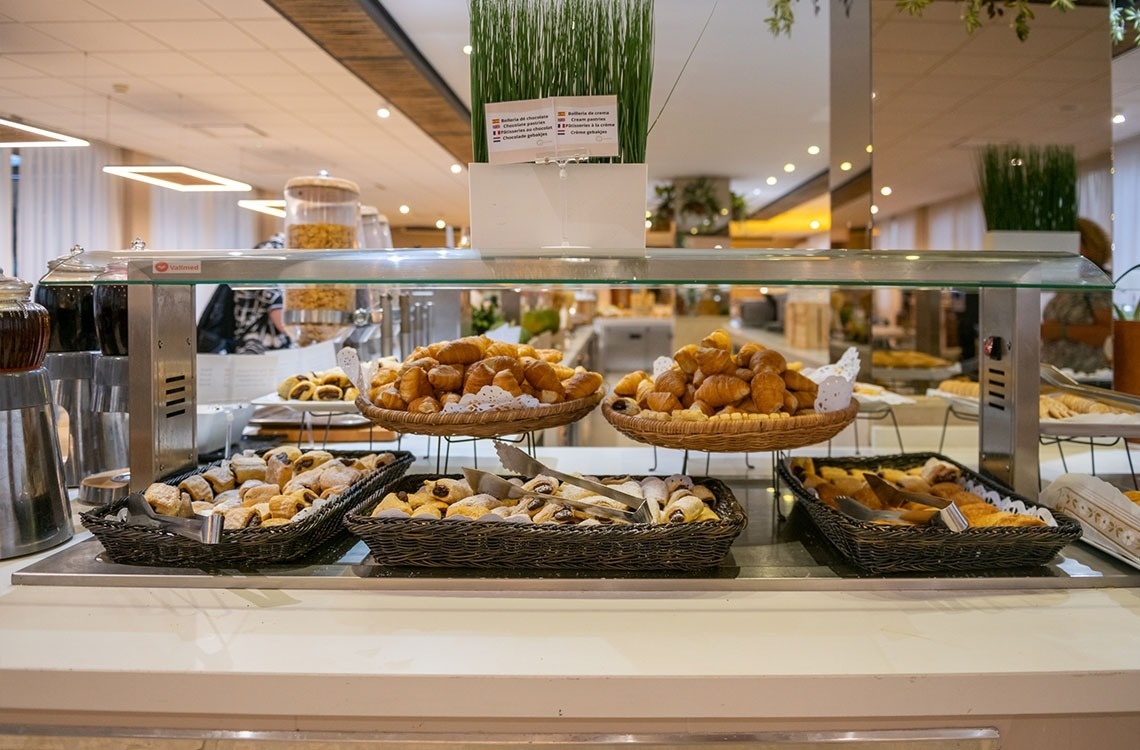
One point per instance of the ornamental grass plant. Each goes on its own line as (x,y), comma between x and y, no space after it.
(1028,188)
(531,49)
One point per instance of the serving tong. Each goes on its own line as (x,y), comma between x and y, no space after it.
(944,510)
(1058,379)
(138,512)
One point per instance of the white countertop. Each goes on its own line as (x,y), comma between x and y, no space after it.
(295,658)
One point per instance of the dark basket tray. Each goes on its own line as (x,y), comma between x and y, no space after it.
(879,548)
(138,545)
(435,543)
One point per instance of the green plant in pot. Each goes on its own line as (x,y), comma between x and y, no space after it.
(1026,188)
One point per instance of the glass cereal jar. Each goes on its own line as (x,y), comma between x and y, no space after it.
(24,327)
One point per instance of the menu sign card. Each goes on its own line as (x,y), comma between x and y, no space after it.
(551,129)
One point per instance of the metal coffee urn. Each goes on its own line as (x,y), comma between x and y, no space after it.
(34,510)
(71,353)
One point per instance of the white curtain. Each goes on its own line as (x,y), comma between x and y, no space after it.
(898,233)
(199,221)
(1125,199)
(7,222)
(956,224)
(1094,195)
(65,199)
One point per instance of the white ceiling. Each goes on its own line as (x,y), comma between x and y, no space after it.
(229,86)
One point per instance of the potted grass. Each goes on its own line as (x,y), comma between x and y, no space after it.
(1029,197)
(534,49)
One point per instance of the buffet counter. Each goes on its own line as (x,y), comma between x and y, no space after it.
(1042,667)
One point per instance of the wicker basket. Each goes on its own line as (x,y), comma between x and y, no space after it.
(880,548)
(486,424)
(140,545)
(732,436)
(450,543)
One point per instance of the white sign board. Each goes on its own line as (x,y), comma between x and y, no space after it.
(551,129)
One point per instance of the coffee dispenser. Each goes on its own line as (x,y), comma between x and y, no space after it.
(34,510)
(70,362)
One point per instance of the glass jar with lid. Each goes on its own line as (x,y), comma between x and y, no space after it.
(321,213)
(111,306)
(375,232)
(23,327)
(71,305)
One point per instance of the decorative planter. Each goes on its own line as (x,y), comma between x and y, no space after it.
(531,207)
(1033,242)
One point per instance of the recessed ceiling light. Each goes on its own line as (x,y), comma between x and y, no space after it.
(874,209)
(813,150)
(885,190)
(789,167)
(648,224)
(271,207)
(456,168)
(845,166)
(180,178)
(814,225)
(383,113)
(440,223)
(756,191)
(404,209)
(724,212)
(467,49)
(1118,118)
(870,148)
(771,180)
(18,135)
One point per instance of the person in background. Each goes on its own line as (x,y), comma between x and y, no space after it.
(244,321)
(1076,325)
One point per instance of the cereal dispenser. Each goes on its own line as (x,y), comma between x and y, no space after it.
(321,213)
(34,509)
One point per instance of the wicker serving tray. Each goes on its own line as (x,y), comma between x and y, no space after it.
(880,548)
(139,545)
(449,543)
(732,436)
(487,424)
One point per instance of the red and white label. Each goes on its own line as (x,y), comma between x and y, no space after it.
(176,266)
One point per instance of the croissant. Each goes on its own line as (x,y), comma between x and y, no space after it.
(424,405)
(686,359)
(791,403)
(451,397)
(389,398)
(541,375)
(424,363)
(500,363)
(502,348)
(703,407)
(767,359)
(562,371)
(462,351)
(768,392)
(549,355)
(446,377)
(582,384)
(718,339)
(721,390)
(661,401)
(744,354)
(526,350)
(644,388)
(477,376)
(799,382)
(713,361)
(627,386)
(671,381)
(385,376)
(689,396)
(804,399)
(506,380)
(413,384)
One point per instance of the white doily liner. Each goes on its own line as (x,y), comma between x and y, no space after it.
(491,398)
(1009,505)
(1098,506)
(836,382)
(660,365)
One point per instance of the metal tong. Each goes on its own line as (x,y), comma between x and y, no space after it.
(947,512)
(492,484)
(205,529)
(1058,379)
(518,461)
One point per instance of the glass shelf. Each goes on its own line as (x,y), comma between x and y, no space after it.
(578,267)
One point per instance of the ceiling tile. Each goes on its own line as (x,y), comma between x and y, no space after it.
(276,34)
(99,36)
(238,64)
(316,62)
(241,9)
(39,87)
(15,37)
(281,84)
(155,64)
(199,85)
(191,36)
(75,65)
(157,10)
(12,68)
(30,11)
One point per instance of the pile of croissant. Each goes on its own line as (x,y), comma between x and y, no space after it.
(673,499)
(282,486)
(708,381)
(326,385)
(934,477)
(433,376)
